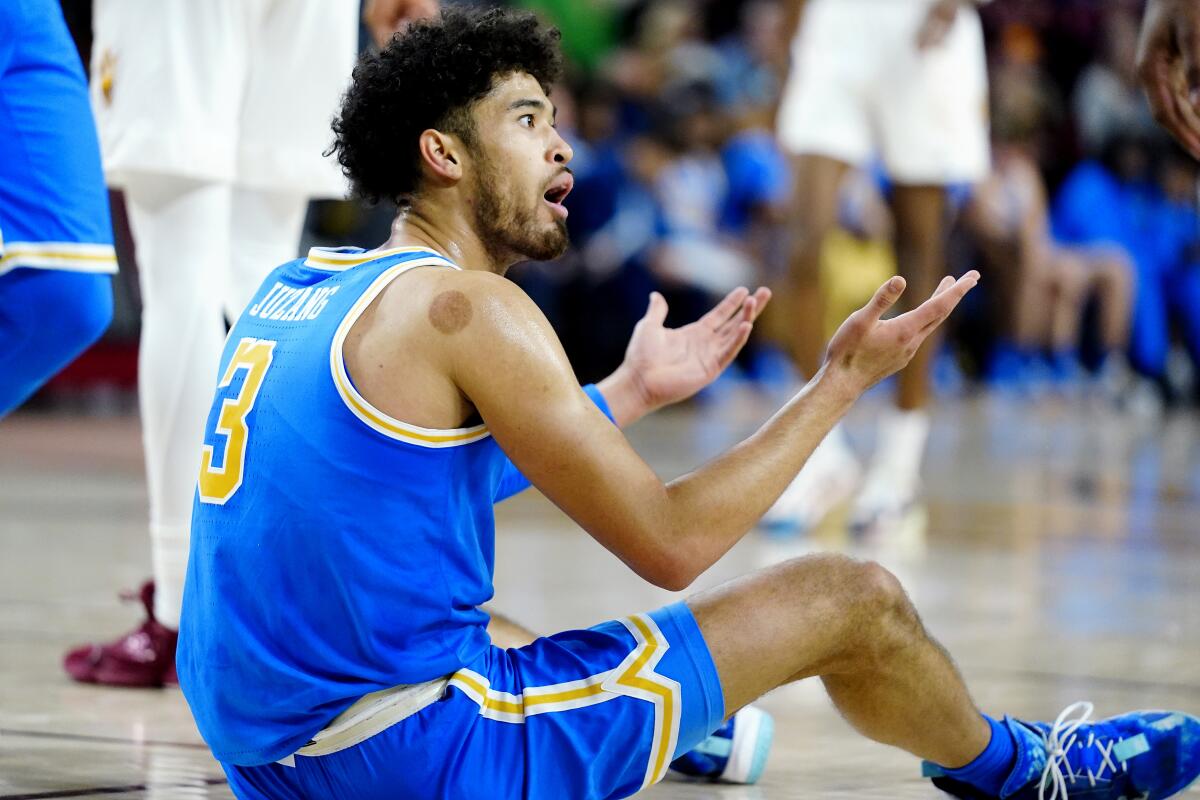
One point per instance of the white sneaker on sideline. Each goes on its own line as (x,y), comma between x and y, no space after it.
(894,478)
(828,479)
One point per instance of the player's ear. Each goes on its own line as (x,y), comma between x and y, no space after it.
(442,154)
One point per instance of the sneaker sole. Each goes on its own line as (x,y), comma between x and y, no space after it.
(752,737)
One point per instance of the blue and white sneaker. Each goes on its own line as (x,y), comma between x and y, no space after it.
(736,753)
(1144,755)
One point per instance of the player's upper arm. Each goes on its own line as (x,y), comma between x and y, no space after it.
(511,366)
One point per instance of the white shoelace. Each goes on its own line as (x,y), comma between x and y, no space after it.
(1062,738)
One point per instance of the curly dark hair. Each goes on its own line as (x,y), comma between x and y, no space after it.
(429,77)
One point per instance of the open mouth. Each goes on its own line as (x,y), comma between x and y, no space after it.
(559,188)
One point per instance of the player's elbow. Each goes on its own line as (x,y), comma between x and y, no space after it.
(668,571)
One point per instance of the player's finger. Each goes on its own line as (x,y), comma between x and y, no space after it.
(761,296)
(656,310)
(735,344)
(934,311)
(885,297)
(746,313)
(722,311)
(945,284)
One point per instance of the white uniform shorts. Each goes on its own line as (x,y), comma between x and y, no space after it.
(232,91)
(859,87)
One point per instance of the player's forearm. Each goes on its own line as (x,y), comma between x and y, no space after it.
(715,506)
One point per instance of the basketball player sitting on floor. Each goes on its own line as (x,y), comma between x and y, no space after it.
(374,405)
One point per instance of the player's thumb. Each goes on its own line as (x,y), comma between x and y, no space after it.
(885,297)
(657,310)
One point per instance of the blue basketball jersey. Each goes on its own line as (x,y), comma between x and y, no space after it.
(335,551)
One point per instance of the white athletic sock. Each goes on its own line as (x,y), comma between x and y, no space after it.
(180,230)
(169,554)
(898,453)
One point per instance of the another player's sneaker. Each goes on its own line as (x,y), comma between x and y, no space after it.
(1145,755)
(828,479)
(737,753)
(144,657)
(893,480)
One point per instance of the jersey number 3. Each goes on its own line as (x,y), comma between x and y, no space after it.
(219,481)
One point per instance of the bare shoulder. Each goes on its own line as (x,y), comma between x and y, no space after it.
(455,303)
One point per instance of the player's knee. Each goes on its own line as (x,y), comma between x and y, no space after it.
(879,590)
(885,619)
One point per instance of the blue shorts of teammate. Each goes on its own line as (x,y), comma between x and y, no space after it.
(56,251)
(597,713)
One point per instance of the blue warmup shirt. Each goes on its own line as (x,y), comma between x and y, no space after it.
(335,551)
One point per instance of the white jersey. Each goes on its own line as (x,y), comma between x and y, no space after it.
(860,88)
(234,91)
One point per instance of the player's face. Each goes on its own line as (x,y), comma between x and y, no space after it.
(521,175)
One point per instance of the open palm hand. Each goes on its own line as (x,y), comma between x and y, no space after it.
(672,364)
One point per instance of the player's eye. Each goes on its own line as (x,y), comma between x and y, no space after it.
(526,120)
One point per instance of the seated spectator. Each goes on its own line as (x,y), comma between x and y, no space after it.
(1043,285)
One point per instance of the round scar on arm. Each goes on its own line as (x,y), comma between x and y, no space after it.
(450,311)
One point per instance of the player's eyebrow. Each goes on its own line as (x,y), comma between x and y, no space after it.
(533,102)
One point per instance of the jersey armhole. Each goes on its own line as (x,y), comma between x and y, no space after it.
(358,405)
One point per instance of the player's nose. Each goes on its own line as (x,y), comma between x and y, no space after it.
(560,151)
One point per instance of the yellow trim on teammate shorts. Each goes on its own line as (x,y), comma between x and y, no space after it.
(634,677)
(72,256)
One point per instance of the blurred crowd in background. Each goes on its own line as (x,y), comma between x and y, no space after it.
(1086,231)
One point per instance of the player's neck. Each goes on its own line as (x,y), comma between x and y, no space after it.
(446,232)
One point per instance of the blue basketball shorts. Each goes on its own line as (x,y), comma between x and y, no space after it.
(53,203)
(581,715)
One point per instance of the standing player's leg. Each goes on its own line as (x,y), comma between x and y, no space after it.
(831,474)
(264,232)
(55,233)
(179,226)
(823,121)
(931,108)
(168,81)
(851,624)
(892,480)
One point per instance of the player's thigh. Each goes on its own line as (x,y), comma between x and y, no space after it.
(307,50)
(930,109)
(594,713)
(808,616)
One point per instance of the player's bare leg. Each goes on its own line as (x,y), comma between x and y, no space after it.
(892,480)
(506,633)
(851,624)
(832,472)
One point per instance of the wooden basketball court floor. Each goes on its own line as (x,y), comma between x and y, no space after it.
(1059,560)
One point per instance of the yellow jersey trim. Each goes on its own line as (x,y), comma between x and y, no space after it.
(71,256)
(359,405)
(331,259)
(634,677)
